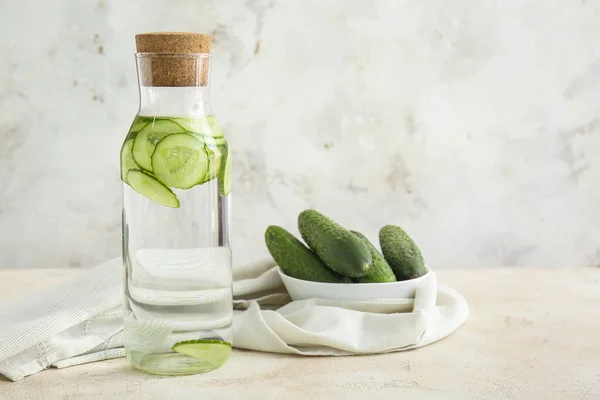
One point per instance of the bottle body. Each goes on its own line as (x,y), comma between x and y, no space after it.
(176,251)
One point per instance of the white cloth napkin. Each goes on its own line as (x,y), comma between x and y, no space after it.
(80,321)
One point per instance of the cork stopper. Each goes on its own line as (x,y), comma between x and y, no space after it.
(173,58)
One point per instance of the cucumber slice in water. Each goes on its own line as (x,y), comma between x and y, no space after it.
(137,125)
(207,126)
(127,161)
(212,352)
(216,155)
(225,176)
(206,129)
(148,137)
(180,160)
(149,187)
(209,140)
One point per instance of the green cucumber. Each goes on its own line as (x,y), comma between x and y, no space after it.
(180,160)
(147,139)
(297,260)
(127,161)
(206,129)
(214,166)
(381,270)
(138,124)
(216,157)
(225,174)
(210,141)
(340,249)
(401,252)
(148,186)
(204,125)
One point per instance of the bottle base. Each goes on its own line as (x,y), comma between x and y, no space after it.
(171,364)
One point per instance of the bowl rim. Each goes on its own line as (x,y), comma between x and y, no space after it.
(420,278)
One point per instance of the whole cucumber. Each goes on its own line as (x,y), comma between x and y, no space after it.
(381,270)
(337,247)
(297,260)
(401,252)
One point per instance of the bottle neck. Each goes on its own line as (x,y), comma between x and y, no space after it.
(166,101)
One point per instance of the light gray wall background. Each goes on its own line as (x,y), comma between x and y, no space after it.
(473,124)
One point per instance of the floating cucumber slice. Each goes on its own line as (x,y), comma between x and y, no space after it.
(225,175)
(213,352)
(148,137)
(149,187)
(209,140)
(202,125)
(180,161)
(206,128)
(137,125)
(127,161)
(216,155)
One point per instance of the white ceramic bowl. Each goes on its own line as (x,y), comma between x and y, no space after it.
(300,289)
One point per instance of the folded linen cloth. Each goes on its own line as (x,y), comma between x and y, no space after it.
(80,321)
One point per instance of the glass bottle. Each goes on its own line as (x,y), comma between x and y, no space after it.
(175,167)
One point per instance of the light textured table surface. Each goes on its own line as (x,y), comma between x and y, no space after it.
(532,334)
